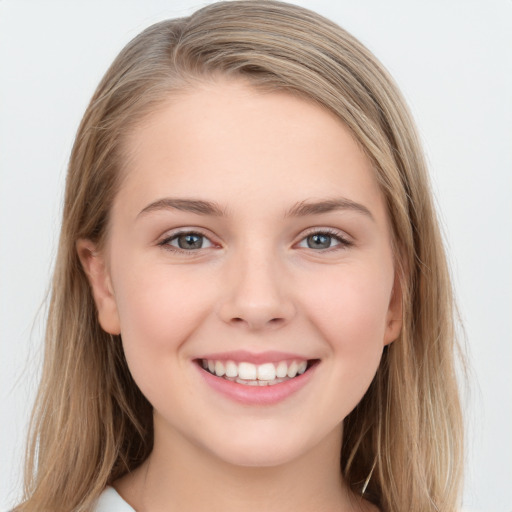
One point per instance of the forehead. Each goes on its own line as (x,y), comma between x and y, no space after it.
(230,143)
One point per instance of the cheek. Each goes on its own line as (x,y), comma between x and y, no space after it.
(350,309)
(158,310)
(351,319)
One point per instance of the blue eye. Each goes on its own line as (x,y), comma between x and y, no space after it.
(191,241)
(186,241)
(324,240)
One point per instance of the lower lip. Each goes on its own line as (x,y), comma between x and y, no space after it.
(257,395)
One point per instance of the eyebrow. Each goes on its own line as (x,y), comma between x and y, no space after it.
(302,209)
(305,208)
(187,205)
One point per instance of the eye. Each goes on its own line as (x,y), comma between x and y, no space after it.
(324,239)
(186,241)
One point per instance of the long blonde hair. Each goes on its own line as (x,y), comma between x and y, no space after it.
(91,424)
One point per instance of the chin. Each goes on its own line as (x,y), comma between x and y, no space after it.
(258,458)
(261,450)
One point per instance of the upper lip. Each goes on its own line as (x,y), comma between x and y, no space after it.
(239,356)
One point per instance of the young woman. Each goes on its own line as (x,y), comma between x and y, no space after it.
(251,307)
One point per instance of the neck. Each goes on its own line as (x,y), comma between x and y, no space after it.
(181,476)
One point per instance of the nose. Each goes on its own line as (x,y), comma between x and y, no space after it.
(257,293)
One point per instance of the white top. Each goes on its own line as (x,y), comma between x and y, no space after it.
(110,501)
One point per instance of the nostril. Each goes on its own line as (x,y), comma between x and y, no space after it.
(255,323)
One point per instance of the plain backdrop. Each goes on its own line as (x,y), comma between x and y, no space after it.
(452,60)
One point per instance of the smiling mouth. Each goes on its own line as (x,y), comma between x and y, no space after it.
(249,374)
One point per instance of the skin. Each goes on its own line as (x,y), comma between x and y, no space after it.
(257,285)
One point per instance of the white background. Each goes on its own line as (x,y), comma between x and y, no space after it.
(452,59)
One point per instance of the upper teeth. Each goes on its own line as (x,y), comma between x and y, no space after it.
(249,371)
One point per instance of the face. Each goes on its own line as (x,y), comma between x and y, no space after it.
(250,237)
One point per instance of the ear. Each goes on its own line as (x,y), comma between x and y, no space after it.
(394,317)
(94,265)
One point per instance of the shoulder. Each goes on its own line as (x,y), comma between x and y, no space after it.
(111,501)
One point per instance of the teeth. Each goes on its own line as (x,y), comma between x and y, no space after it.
(247,382)
(292,369)
(258,382)
(219,369)
(302,367)
(247,371)
(255,375)
(266,371)
(231,369)
(281,370)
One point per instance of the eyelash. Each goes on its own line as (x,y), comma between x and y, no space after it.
(166,242)
(343,243)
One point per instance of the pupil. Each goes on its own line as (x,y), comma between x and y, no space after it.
(319,241)
(190,241)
